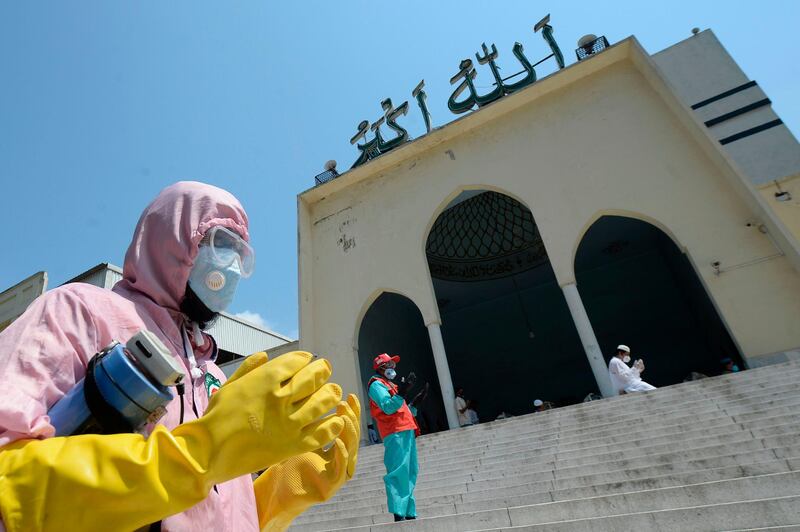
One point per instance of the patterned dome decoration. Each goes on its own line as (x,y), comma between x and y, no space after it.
(487,236)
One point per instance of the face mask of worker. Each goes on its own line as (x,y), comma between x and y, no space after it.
(390,374)
(626,358)
(214,285)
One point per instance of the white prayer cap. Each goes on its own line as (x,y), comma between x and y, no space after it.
(623,347)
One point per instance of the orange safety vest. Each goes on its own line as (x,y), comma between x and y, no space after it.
(401,420)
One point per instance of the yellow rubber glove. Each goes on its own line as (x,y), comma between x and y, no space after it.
(288,489)
(266,413)
(124,481)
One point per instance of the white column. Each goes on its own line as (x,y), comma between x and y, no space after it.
(588,339)
(443,371)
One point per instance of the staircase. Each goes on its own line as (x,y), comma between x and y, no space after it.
(716,454)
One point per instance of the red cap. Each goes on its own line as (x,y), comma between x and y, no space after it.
(383,358)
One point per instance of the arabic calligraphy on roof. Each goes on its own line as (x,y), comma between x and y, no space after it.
(467,72)
(465,78)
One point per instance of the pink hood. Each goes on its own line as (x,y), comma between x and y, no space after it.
(166,239)
(164,247)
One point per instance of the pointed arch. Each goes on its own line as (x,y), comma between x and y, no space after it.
(392,322)
(624,214)
(373,296)
(502,307)
(640,288)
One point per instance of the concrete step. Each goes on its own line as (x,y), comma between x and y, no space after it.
(636,448)
(747,515)
(490,483)
(471,437)
(553,420)
(631,423)
(638,438)
(533,430)
(538,460)
(787,527)
(720,493)
(675,461)
(553,490)
(501,486)
(542,416)
(626,414)
(663,460)
(598,431)
(551,453)
(644,467)
(561,418)
(700,448)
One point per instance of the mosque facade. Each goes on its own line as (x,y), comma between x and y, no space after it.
(625,198)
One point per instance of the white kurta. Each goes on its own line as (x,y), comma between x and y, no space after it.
(463,418)
(626,379)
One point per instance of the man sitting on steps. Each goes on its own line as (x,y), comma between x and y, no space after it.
(623,378)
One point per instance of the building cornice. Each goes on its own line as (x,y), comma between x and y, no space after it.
(628,50)
(475,119)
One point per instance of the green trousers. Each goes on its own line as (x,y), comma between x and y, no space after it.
(400,459)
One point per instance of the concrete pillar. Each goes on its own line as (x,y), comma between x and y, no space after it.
(588,339)
(443,371)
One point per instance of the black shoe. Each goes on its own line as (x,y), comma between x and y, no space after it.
(410,518)
(398,518)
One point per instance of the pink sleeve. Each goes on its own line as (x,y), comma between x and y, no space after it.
(42,355)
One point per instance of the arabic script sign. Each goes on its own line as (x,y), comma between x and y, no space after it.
(494,268)
(466,76)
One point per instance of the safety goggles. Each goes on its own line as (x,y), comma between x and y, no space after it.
(222,242)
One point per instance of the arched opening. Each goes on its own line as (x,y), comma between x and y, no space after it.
(507,330)
(393,324)
(640,290)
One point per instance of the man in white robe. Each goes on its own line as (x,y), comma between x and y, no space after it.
(627,379)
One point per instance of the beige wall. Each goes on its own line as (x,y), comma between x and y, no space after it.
(698,68)
(601,137)
(787,211)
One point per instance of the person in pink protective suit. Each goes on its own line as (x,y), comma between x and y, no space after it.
(191,471)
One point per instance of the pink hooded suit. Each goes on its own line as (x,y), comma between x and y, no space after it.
(44,353)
